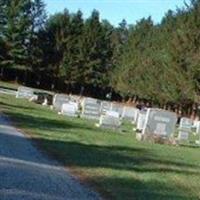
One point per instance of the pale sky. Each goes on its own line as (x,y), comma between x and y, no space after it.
(116,10)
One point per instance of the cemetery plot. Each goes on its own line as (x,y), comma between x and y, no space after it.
(70,109)
(59,100)
(159,123)
(111,120)
(25,92)
(130,113)
(91,108)
(185,128)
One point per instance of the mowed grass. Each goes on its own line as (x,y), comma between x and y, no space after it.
(9,85)
(113,162)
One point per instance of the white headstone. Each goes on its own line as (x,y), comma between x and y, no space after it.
(33,98)
(110,120)
(91,108)
(45,103)
(25,92)
(70,109)
(130,113)
(185,128)
(141,120)
(159,122)
(112,114)
(59,100)
(198,127)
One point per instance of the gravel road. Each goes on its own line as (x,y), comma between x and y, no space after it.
(27,174)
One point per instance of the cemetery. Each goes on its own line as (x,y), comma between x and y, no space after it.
(113,138)
(100,100)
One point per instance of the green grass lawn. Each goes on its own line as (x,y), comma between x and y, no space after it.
(9,85)
(112,162)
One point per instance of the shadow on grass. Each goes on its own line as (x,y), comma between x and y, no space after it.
(8,88)
(91,156)
(44,123)
(132,188)
(125,159)
(9,106)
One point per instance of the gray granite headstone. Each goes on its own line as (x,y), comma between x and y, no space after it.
(70,109)
(159,122)
(91,108)
(25,92)
(130,113)
(117,108)
(105,106)
(110,120)
(185,128)
(59,100)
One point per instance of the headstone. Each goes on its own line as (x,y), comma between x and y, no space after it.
(70,109)
(195,123)
(198,127)
(45,103)
(159,123)
(105,106)
(117,108)
(34,98)
(185,128)
(59,100)
(25,92)
(110,120)
(130,113)
(140,120)
(112,114)
(91,108)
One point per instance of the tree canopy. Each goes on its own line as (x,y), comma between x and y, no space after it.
(156,62)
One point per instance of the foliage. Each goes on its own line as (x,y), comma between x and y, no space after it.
(156,62)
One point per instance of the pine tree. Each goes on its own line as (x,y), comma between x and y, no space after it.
(16,32)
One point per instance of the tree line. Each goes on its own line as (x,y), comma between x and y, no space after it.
(158,63)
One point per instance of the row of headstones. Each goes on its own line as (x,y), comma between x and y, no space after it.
(91,108)
(109,114)
(158,123)
(33,95)
(150,123)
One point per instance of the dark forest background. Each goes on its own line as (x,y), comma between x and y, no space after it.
(153,63)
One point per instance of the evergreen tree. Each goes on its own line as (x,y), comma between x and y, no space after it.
(16,32)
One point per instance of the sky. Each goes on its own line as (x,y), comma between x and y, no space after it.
(116,10)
